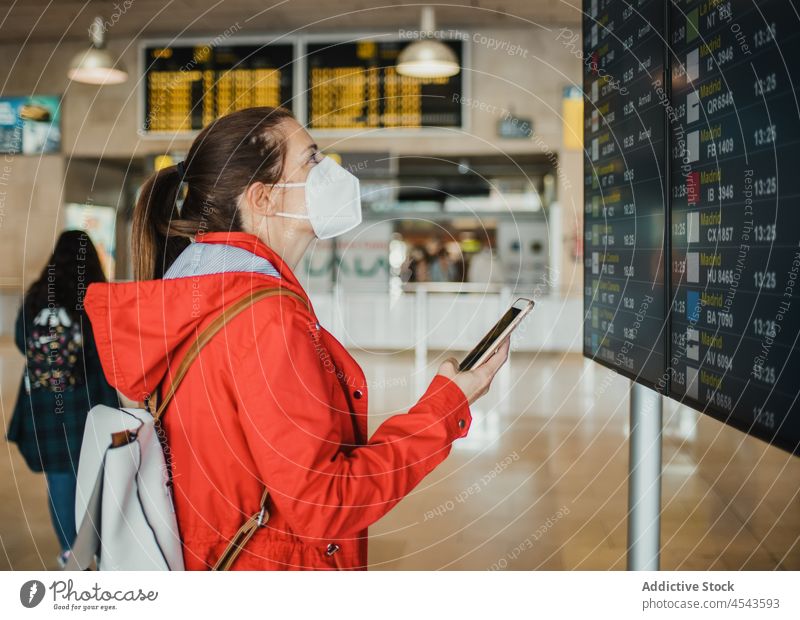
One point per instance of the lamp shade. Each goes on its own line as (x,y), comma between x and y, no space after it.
(427,59)
(96,66)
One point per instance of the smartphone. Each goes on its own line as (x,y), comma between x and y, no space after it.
(489,343)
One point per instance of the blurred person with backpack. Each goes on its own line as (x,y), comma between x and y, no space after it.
(62,378)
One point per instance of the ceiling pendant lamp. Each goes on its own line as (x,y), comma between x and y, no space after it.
(96,65)
(427,58)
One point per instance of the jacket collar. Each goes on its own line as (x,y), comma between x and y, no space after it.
(251,243)
(136,353)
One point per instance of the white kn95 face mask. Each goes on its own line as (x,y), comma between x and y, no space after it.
(333,199)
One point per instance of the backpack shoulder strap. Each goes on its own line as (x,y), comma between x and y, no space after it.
(205,336)
(248,528)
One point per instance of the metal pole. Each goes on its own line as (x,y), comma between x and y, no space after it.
(644,479)
(420,340)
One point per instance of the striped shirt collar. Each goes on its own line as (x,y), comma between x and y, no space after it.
(200,259)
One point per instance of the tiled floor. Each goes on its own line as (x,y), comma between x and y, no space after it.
(540,483)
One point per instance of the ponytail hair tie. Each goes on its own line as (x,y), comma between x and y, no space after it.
(180,167)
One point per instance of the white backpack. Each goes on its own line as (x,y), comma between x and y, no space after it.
(124,500)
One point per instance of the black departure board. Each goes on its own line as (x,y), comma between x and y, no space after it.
(188,86)
(625,192)
(718,143)
(355,84)
(735,213)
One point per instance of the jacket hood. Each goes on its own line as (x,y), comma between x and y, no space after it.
(138,326)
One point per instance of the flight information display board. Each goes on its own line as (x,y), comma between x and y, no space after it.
(625,188)
(355,84)
(188,86)
(735,214)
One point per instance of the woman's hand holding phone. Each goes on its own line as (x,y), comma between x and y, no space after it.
(475,383)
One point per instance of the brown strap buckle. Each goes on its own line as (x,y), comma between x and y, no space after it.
(243,536)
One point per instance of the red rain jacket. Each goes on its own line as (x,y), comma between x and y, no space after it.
(273,399)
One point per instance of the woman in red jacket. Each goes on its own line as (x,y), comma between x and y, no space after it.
(273,400)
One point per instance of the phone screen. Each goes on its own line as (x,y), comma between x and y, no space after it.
(489,339)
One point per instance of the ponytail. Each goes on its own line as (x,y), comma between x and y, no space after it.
(158,237)
(232,152)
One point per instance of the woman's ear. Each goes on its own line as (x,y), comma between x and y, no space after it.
(260,199)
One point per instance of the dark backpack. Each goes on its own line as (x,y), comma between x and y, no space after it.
(55,351)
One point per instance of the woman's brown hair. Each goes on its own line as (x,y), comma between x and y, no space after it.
(227,156)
